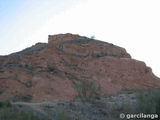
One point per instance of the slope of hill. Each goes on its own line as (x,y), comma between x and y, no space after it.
(47,71)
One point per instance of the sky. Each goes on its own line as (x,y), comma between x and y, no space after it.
(131,24)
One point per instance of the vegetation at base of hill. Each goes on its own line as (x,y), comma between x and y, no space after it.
(87,91)
(110,106)
(61,115)
(8,112)
(149,102)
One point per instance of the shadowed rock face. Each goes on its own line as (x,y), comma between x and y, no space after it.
(45,72)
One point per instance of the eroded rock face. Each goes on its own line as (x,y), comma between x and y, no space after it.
(45,72)
(61,37)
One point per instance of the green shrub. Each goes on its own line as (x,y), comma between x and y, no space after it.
(61,115)
(4,104)
(8,112)
(149,101)
(87,91)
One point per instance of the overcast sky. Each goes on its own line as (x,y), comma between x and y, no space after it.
(132,24)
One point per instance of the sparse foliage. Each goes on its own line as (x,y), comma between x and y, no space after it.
(149,102)
(8,112)
(61,115)
(87,91)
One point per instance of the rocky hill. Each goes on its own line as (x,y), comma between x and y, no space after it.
(47,71)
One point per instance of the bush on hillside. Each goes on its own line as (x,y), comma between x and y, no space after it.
(8,112)
(149,101)
(87,91)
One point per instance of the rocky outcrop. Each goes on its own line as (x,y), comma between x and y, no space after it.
(45,72)
(61,37)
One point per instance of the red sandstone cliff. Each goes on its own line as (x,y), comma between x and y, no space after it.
(47,71)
